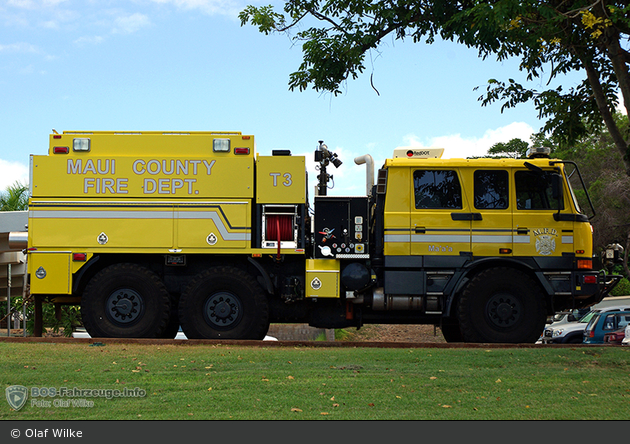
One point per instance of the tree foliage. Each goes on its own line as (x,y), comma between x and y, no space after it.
(14,198)
(515,148)
(551,38)
(608,185)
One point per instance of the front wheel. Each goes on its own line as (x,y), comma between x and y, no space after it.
(451,332)
(224,303)
(125,301)
(501,305)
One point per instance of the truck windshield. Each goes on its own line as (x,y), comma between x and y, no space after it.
(577,188)
(575,200)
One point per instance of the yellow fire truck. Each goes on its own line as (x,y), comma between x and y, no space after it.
(151,231)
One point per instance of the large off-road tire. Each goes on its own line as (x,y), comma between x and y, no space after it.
(172,326)
(224,303)
(501,305)
(125,301)
(451,332)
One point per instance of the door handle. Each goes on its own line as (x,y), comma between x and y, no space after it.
(466,216)
(421,230)
(522,231)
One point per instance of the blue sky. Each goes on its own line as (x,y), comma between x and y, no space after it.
(188,65)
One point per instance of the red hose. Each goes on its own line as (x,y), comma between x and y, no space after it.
(281,226)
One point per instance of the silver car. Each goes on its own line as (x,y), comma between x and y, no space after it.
(573,332)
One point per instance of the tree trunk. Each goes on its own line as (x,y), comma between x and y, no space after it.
(604,110)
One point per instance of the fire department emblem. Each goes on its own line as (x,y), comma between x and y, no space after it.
(102,239)
(545,244)
(211,239)
(16,396)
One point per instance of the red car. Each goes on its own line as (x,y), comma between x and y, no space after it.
(615,337)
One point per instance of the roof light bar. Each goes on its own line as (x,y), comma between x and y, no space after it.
(81,144)
(538,152)
(221,145)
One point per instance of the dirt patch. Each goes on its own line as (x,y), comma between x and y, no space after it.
(294,332)
(395,333)
(18,332)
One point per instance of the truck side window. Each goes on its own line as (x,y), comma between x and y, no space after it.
(491,189)
(534,191)
(437,189)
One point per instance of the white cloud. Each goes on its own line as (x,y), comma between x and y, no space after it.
(620,105)
(457,146)
(22,4)
(19,47)
(123,24)
(31,4)
(130,23)
(209,7)
(89,40)
(11,172)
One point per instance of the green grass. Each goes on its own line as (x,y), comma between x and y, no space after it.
(201,382)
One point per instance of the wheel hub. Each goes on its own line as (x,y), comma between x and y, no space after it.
(125,306)
(504,310)
(222,310)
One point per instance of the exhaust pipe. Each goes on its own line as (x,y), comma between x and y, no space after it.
(369,181)
(18,240)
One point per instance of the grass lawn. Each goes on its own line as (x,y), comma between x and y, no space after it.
(224,382)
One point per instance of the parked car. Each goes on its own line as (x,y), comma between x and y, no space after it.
(626,339)
(573,332)
(615,337)
(565,317)
(605,322)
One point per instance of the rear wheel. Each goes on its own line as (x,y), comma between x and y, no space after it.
(501,305)
(224,303)
(125,301)
(172,326)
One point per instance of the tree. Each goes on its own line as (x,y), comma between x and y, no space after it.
(515,148)
(551,38)
(602,169)
(14,198)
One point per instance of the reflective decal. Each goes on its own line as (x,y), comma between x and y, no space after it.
(545,241)
(316,284)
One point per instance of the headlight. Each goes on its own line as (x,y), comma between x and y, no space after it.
(557,332)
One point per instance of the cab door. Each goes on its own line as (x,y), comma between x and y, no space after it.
(441,217)
(540,229)
(492,225)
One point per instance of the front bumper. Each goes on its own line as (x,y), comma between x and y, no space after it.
(579,289)
(547,338)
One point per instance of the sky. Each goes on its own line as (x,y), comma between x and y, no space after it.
(189,65)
